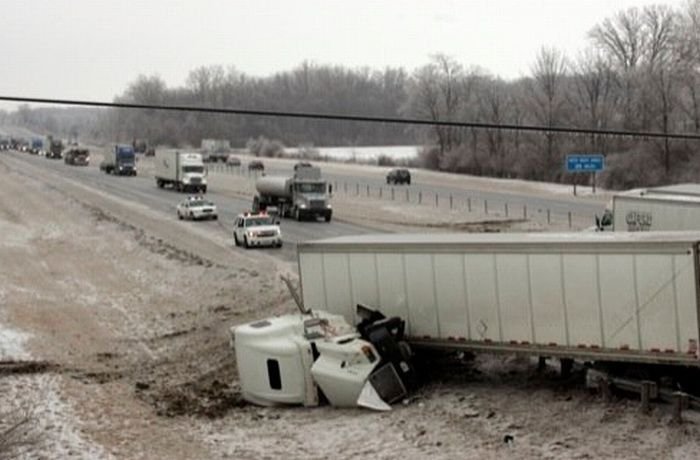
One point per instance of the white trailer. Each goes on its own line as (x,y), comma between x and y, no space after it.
(590,296)
(182,171)
(668,208)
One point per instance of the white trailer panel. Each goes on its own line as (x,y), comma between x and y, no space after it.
(656,212)
(619,295)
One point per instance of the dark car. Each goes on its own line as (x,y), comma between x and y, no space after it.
(256,166)
(398,176)
(302,164)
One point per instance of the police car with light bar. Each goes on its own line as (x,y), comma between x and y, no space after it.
(195,208)
(252,230)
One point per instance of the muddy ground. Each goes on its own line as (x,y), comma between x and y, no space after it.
(114,343)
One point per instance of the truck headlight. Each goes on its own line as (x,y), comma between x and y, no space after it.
(329,206)
(302,206)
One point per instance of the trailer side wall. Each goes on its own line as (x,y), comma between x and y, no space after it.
(641,300)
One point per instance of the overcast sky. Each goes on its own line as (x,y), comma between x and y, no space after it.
(91,49)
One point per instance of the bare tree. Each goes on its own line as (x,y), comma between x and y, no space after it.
(623,38)
(547,95)
(661,64)
(594,94)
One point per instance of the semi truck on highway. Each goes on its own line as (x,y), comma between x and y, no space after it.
(119,160)
(54,148)
(620,297)
(675,207)
(185,172)
(36,145)
(302,195)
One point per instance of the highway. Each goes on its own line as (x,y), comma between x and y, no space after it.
(143,190)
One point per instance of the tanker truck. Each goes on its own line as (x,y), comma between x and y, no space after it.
(302,195)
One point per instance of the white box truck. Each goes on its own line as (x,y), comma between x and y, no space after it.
(185,172)
(669,208)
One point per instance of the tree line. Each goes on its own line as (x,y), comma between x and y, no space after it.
(639,71)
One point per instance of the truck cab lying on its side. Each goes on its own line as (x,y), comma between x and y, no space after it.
(293,359)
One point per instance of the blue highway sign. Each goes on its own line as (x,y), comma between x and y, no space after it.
(585,163)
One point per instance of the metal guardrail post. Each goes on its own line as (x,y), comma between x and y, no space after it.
(381,192)
(569,219)
(420,196)
(450,201)
(437,200)
(486,207)
(549,217)
(469,204)
(392,193)
(506,209)
(524,211)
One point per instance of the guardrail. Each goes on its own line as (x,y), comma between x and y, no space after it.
(450,202)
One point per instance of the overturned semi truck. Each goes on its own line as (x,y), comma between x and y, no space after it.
(616,297)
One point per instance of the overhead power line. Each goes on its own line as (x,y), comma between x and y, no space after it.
(357,118)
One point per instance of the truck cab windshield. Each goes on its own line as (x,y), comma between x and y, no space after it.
(311,188)
(193,169)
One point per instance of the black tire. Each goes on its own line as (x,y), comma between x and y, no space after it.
(191,216)
(297,215)
(235,239)
(204,189)
(279,245)
(215,217)
(179,216)
(327,217)
(245,242)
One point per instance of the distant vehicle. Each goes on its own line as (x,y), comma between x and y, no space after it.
(76,156)
(54,148)
(35,146)
(119,160)
(302,164)
(4,143)
(233,161)
(195,208)
(215,150)
(185,172)
(399,176)
(258,229)
(302,195)
(256,165)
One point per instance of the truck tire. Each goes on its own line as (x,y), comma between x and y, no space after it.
(297,214)
(245,242)
(327,217)
(159,183)
(235,239)
(204,189)
(179,216)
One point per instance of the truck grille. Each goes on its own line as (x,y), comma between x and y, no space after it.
(195,180)
(267,233)
(317,204)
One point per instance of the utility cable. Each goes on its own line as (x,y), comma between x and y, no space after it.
(356,118)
